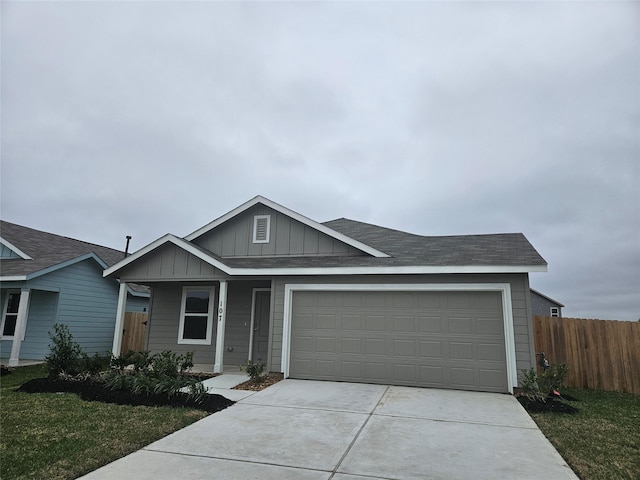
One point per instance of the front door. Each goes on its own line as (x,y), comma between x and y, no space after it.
(260,324)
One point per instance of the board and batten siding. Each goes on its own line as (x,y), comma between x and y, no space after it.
(234,238)
(520,299)
(171,263)
(164,322)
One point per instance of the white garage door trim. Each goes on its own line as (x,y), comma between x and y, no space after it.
(503,288)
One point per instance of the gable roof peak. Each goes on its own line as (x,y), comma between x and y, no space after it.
(290,213)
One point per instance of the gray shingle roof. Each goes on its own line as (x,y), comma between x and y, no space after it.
(407,249)
(492,249)
(47,250)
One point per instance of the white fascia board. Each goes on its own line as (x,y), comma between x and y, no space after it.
(14,278)
(15,249)
(168,238)
(408,270)
(290,213)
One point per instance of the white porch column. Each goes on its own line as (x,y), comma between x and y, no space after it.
(21,327)
(117,333)
(222,314)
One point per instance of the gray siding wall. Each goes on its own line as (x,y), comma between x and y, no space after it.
(78,296)
(234,238)
(137,304)
(238,321)
(519,297)
(542,306)
(42,316)
(169,262)
(164,322)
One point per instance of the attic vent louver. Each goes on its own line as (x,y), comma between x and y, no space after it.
(261,228)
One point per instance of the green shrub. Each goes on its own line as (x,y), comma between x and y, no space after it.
(171,364)
(139,360)
(163,373)
(256,371)
(536,386)
(65,354)
(553,378)
(95,364)
(530,388)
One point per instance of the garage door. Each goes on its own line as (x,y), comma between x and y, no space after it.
(418,338)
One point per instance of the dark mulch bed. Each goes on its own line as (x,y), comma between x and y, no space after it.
(551,405)
(97,392)
(271,379)
(4,371)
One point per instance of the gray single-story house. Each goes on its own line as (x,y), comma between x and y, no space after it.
(340,300)
(47,279)
(545,306)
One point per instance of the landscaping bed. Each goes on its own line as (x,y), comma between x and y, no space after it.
(254,386)
(91,390)
(552,403)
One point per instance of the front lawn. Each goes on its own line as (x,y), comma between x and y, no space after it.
(60,436)
(602,440)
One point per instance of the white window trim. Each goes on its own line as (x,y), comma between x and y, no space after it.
(183,307)
(503,288)
(256,219)
(556,313)
(4,315)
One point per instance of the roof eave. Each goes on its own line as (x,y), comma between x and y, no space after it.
(397,270)
(53,268)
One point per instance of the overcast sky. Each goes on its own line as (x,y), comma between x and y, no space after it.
(435,118)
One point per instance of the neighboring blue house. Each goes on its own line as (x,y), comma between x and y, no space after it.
(544,306)
(47,279)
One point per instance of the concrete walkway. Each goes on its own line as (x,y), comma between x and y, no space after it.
(223,384)
(300,429)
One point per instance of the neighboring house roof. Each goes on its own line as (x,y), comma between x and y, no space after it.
(548,298)
(387,251)
(43,252)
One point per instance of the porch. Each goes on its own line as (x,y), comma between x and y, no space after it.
(224,323)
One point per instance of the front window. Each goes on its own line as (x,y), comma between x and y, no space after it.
(555,312)
(10,314)
(196,316)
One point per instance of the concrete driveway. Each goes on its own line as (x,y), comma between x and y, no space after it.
(300,429)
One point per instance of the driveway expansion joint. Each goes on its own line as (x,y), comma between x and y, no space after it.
(239,460)
(466,422)
(355,438)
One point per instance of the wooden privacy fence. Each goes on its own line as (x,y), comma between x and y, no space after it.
(600,354)
(134,332)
